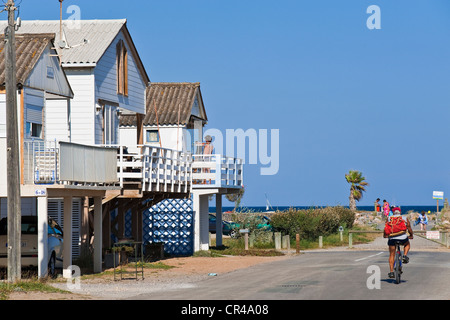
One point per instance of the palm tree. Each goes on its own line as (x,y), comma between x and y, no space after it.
(357,187)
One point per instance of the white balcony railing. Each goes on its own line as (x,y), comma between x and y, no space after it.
(156,169)
(53,162)
(217,171)
(151,168)
(166,170)
(41,162)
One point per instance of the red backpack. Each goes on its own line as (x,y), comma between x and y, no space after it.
(395,225)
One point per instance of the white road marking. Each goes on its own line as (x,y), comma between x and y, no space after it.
(375,255)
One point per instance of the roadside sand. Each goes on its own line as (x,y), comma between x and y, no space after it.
(186,271)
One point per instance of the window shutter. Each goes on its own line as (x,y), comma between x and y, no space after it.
(122,68)
(119,67)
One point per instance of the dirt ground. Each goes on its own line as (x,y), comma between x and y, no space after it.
(186,271)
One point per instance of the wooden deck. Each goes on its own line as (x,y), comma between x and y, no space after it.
(147,169)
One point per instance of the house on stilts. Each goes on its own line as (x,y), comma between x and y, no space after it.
(108,152)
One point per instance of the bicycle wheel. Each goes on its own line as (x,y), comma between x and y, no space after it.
(398,267)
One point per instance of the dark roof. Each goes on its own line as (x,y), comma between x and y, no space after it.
(173,102)
(29,48)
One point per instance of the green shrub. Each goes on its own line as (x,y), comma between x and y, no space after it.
(312,223)
(253,222)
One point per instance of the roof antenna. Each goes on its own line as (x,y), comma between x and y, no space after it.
(60,18)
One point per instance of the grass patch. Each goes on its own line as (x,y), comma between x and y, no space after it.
(150,265)
(27,286)
(208,254)
(235,251)
(236,247)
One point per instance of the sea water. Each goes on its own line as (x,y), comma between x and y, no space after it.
(405,209)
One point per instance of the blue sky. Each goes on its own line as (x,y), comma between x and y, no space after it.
(343,96)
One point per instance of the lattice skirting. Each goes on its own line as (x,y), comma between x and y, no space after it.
(171,221)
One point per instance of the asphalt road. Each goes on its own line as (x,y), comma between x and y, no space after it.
(329,275)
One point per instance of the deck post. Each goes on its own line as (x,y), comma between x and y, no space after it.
(67,243)
(42,236)
(201,219)
(219,225)
(98,215)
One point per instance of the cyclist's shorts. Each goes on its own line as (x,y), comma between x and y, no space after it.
(391,242)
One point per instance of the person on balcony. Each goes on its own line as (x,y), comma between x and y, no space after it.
(208,150)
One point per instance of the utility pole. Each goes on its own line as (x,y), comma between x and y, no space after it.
(13,160)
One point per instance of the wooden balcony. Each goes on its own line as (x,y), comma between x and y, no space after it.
(144,169)
(154,169)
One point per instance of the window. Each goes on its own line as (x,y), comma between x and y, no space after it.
(152,136)
(34,130)
(111,125)
(34,118)
(122,68)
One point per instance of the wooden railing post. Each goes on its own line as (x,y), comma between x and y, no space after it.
(121,166)
(218,171)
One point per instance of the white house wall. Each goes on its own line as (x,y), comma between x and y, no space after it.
(82,106)
(106,80)
(56,120)
(128,137)
(170,137)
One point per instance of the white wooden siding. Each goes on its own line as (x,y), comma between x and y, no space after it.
(171,137)
(106,80)
(82,106)
(128,137)
(56,124)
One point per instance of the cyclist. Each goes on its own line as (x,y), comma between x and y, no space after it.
(404,241)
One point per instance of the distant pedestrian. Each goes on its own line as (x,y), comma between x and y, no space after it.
(377,206)
(386,208)
(423,221)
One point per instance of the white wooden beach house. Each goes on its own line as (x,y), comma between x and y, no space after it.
(95,168)
(107,79)
(51,169)
(175,120)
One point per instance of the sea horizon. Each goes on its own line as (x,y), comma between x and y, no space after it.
(262,209)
